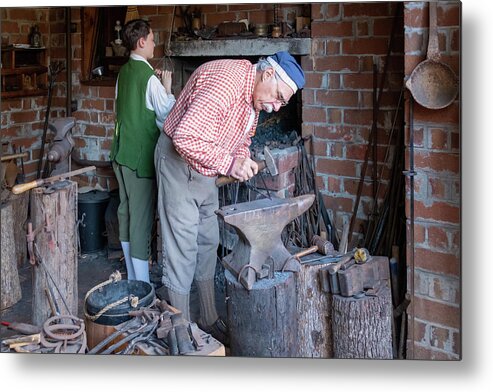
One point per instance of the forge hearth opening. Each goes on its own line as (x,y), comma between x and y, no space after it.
(277,130)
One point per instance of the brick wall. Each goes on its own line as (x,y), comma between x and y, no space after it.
(437,195)
(22,119)
(347,38)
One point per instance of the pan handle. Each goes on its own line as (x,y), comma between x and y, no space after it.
(433,49)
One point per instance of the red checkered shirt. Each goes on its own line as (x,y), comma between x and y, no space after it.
(208,124)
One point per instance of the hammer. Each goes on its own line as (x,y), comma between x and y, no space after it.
(268,163)
(318,245)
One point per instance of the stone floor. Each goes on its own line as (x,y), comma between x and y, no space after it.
(93,269)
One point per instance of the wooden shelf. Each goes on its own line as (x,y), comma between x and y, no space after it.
(37,69)
(24,93)
(23,72)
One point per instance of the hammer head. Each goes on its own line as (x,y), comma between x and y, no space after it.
(324,247)
(270,163)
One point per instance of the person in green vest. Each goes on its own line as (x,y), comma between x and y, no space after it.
(143,101)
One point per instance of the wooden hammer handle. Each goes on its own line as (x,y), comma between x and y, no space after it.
(305,252)
(225,180)
(20,188)
(13,156)
(333,268)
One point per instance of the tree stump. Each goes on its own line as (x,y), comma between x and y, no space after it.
(262,321)
(362,327)
(56,245)
(10,285)
(20,205)
(314,315)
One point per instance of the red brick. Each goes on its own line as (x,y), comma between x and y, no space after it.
(333,47)
(437,161)
(95,130)
(320,183)
(23,117)
(370,45)
(313,80)
(334,116)
(445,263)
(314,114)
(336,63)
(455,40)
(437,312)
(358,117)
(415,42)
(416,17)
(450,114)
(361,28)
(438,188)
(340,133)
(318,47)
(357,81)
(448,15)
(336,166)
(420,332)
(439,139)
(332,29)
(419,233)
(281,181)
(338,203)
(430,354)
(456,343)
(287,160)
(437,237)
(437,211)
(334,184)
(337,98)
(336,150)
(350,187)
(92,104)
(261,16)
(362,9)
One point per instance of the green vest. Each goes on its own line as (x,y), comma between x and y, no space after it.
(136,132)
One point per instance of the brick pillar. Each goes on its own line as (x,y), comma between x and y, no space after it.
(434,327)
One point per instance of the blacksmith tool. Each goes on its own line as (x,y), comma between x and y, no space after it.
(183,340)
(259,225)
(362,277)
(267,163)
(42,181)
(319,245)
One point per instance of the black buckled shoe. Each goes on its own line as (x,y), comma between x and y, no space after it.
(218,330)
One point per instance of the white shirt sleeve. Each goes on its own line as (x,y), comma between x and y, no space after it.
(158,101)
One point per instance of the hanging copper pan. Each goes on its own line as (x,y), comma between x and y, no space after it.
(432,83)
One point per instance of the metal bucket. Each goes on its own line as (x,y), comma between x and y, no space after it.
(112,293)
(91,211)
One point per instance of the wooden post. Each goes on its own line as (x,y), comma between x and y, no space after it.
(314,315)
(362,327)
(9,275)
(21,209)
(262,321)
(56,245)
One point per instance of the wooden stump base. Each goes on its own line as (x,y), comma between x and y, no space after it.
(362,328)
(314,316)
(55,279)
(263,321)
(10,286)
